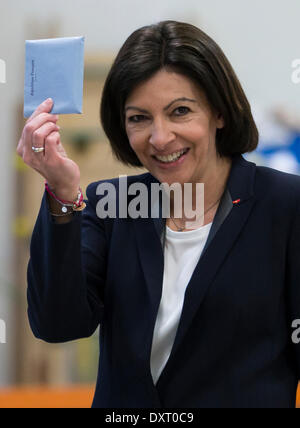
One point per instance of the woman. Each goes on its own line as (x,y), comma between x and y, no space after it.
(189,316)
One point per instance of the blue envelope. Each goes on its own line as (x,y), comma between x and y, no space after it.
(54,68)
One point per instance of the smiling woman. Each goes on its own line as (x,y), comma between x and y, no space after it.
(180,112)
(189,318)
(188,51)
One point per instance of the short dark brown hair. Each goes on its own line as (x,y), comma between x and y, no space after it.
(185,49)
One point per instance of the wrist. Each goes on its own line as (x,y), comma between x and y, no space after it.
(56,207)
(69,194)
(75,203)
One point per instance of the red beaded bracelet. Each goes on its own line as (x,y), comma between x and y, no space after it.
(77,205)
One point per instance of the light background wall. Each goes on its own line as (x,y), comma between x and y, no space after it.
(260,38)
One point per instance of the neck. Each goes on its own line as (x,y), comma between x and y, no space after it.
(209,194)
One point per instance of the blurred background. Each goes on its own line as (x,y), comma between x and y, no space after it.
(261,40)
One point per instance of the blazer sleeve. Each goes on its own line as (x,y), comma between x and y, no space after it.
(293,289)
(66,274)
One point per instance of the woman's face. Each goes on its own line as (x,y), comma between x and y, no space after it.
(172,129)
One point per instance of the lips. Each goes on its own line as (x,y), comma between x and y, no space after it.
(173,157)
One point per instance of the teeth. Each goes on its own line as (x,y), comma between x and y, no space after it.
(170,158)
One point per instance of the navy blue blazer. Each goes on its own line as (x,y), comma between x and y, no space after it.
(233,347)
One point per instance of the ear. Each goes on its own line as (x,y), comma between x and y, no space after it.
(220,121)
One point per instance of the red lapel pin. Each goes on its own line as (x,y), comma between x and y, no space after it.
(237,201)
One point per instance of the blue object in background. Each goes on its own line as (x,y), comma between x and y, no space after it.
(279,144)
(284,157)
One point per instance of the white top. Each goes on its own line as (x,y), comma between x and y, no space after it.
(182,253)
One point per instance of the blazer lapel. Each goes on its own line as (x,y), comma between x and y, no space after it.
(149,238)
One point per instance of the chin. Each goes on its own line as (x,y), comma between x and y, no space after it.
(170,180)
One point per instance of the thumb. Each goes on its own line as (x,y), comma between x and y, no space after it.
(45,107)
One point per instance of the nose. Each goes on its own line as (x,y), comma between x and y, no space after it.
(161,134)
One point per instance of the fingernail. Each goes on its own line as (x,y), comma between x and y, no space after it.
(48,101)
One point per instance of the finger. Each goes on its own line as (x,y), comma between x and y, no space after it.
(44,107)
(51,143)
(39,135)
(35,124)
(39,120)
(36,160)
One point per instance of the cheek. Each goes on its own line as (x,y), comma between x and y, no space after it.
(137,141)
(201,136)
(131,139)
(134,144)
(195,129)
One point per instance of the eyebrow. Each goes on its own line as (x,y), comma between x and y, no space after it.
(165,108)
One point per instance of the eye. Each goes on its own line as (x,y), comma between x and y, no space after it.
(137,118)
(182,110)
